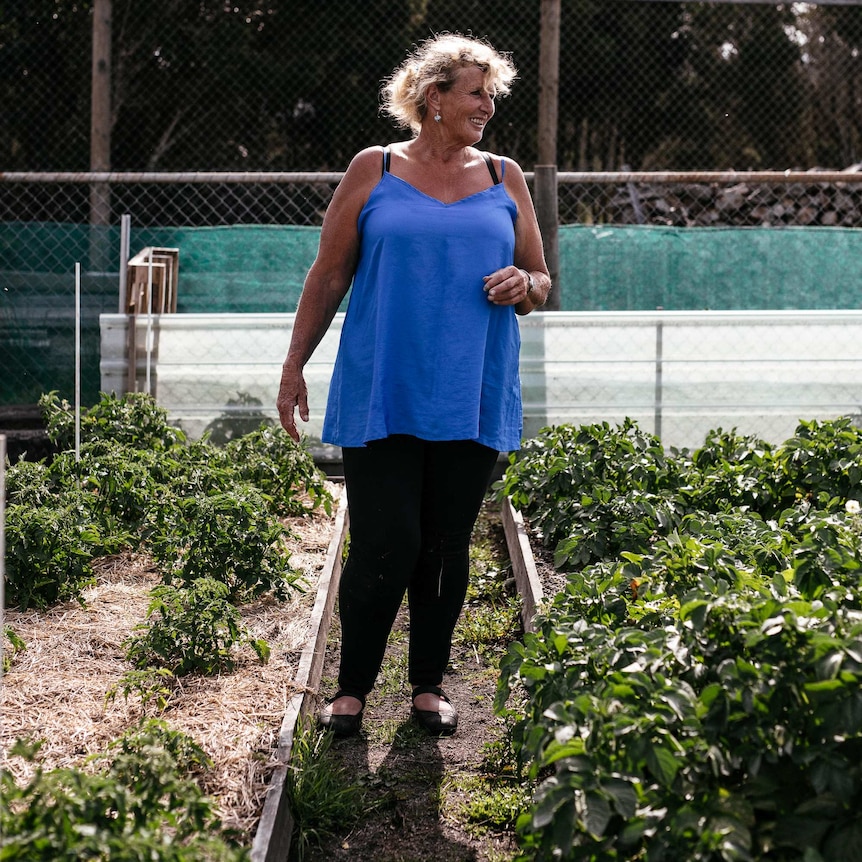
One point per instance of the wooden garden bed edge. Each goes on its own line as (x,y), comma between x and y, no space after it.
(523,563)
(272,838)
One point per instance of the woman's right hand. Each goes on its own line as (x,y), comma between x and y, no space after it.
(292,394)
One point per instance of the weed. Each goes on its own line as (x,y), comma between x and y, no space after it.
(15,645)
(486,802)
(324,801)
(383,732)
(392,680)
(152,685)
(488,627)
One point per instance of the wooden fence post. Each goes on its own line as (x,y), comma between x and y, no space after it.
(547,211)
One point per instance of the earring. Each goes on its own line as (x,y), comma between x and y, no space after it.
(437,117)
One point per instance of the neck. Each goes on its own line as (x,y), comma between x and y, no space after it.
(430,145)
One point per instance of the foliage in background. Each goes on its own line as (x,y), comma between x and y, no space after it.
(203,511)
(695,692)
(258,86)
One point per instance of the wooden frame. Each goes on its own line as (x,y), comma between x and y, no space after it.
(151,288)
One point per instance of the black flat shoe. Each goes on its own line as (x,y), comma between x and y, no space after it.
(340,725)
(435,723)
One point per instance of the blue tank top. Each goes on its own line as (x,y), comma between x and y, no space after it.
(422,351)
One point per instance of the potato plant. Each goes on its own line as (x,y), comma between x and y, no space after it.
(695,692)
(138,801)
(138,484)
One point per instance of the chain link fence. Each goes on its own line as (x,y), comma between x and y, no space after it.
(292,85)
(230,125)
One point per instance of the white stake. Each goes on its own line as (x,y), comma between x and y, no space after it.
(77,362)
(2,547)
(149,319)
(125,242)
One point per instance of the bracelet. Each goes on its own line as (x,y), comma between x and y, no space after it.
(531,284)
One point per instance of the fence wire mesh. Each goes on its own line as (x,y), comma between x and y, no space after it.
(293,84)
(245,114)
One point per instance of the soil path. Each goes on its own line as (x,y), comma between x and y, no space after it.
(419,784)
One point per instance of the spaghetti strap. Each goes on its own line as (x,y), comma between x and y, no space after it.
(386,156)
(490,163)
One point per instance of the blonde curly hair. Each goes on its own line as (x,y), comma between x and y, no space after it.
(438,61)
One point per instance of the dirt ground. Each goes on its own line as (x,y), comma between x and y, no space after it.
(420,783)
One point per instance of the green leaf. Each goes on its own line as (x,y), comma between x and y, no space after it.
(663,763)
(597,813)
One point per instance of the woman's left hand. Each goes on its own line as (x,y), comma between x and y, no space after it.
(507,286)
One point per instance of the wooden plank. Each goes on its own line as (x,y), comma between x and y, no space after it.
(160,266)
(523,563)
(274,831)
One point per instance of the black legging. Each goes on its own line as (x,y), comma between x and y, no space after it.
(412,505)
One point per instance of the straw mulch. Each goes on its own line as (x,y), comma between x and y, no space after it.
(55,690)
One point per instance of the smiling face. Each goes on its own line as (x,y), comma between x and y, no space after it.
(467,105)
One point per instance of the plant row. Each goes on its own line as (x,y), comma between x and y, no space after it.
(695,691)
(136,483)
(210,518)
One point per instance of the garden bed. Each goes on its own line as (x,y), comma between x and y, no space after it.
(56,688)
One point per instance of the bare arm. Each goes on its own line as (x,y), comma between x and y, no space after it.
(327,282)
(511,284)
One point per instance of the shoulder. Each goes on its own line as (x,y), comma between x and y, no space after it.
(511,171)
(507,168)
(366,165)
(362,175)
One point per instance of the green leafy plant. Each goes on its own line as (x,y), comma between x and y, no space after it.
(48,554)
(191,629)
(134,419)
(233,423)
(141,803)
(271,460)
(137,482)
(153,685)
(227,536)
(694,691)
(565,468)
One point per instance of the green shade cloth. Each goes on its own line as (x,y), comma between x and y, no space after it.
(641,268)
(249,268)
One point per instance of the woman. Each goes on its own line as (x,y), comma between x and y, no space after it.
(441,245)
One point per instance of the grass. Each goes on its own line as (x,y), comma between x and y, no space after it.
(487,803)
(323,799)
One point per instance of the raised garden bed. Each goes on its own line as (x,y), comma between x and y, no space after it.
(56,687)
